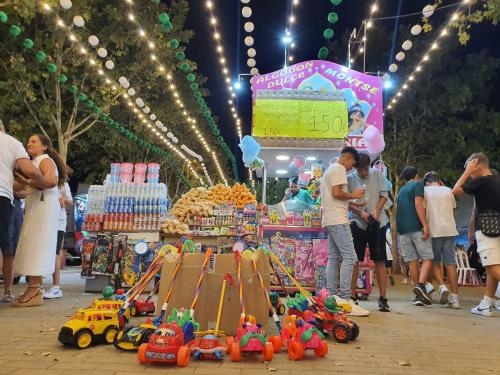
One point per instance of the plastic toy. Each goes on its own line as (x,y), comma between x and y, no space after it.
(89,326)
(277,303)
(147,307)
(333,320)
(297,336)
(112,305)
(131,338)
(166,345)
(249,338)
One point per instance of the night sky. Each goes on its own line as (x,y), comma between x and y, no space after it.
(270,20)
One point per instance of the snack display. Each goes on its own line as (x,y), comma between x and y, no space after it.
(170,226)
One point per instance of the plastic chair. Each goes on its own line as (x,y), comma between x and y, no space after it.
(466,274)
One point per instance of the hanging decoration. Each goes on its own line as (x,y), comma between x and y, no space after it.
(328,33)
(93,40)
(109,64)
(66,4)
(416,29)
(393,68)
(400,56)
(78,21)
(407,44)
(428,11)
(246,12)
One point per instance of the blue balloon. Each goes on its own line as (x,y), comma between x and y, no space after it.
(250,149)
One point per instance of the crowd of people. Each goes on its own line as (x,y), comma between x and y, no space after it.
(30,242)
(354,197)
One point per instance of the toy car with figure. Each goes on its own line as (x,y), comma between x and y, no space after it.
(208,346)
(89,326)
(249,338)
(131,338)
(296,336)
(166,345)
(277,303)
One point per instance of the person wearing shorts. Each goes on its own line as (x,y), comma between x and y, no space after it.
(413,231)
(369,224)
(485,187)
(439,208)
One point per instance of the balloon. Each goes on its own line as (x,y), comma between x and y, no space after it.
(407,44)
(93,40)
(400,56)
(374,140)
(250,149)
(246,12)
(428,10)
(109,64)
(66,4)
(298,162)
(393,68)
(249,41)
(78,21)
(251,52)
(416,29)
(251,62)
(249,27)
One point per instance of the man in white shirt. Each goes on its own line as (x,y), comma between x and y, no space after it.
(335,202)
(13,154)
(439,207)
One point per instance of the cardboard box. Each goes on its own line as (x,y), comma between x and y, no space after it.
(206,309)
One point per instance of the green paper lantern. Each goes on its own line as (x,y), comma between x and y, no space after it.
(164,18)
(40,56)
(52,68)
(134,137)
(333,17)
(197,94)
(62,78)
(323,53)
(220,139)
(3,17)
(109,120)
(14,31)
(90,104)
(73,89)
(191,77)
(216,132)
(200,101)
(82,97)
(180,55)
(336,2)
(328,34)
(120,129)
(156,1)
(102,117)
(174,43)
(206,113)
(167,27)
(185,67)
(204,107)
(27,43)
(194,86)
(97,110)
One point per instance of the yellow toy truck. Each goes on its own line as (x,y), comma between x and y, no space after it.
(89,326)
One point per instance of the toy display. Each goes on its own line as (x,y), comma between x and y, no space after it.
(298,335)
(88,327)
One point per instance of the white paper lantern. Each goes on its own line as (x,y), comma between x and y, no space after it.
(93,40)
(416,29)
(251,63)
(169,135)
(246,12)
(251,52)
(78,21)
(152,117)
(131,91)
(146,109)
(245,1)
(386,77)
(400,56)
(126,85)
(254,71)
(428,10)
(122,80)
(109,64)
(393,68)
(139,102)
(164,129)
(159,123)
(66,4)
(249,41)
(249,27)
(407,44)
(175,140)
(102,52)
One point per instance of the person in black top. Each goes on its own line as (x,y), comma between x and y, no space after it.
(485,186)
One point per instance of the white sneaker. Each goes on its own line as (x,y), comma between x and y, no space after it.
(453,301)
(429,288)
(484,308)
(54,292)
(357,310)
(497,304)
(443,294)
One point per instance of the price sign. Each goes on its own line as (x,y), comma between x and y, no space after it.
(298,118)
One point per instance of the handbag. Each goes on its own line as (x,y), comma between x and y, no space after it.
(489,223)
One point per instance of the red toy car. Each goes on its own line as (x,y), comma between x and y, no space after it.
(297,336)
(141,307)
(249,338)
(165,345)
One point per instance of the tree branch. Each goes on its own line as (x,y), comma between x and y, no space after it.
(75,135)
(31,111)
(45,98)
(81,123)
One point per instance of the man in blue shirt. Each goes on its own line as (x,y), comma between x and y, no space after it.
(295,192)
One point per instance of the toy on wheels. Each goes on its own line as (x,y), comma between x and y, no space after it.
(166,345)
(297,336)
(146,306)
(277,303)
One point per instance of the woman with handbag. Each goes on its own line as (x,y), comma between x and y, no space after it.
(485,186)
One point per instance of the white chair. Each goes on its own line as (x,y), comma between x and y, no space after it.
(466,274)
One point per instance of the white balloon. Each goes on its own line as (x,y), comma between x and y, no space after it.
(66,4)
(245,1)
(251,63)
(131,91)
(93,40)
(246,12)
(102,52)
(393,68)
(152,117)
(386,77)
(249,41)
(109,64)
(159,123)
(416,29)
(78,21)
(254,71)
(407,44)
(139,102)
(428,10)
(251,52)
(400,56)
(164,129)
(249,27)
(146,109)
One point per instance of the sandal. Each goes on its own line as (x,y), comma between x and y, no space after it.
(8,296)
(35,300)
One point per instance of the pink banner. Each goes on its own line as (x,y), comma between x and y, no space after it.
(362,92)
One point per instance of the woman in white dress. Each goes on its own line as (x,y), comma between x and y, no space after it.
(35,256)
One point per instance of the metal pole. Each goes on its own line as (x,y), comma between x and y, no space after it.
(264,184)
(364,47)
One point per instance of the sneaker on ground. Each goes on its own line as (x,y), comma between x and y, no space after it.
(422,293)
(453,301)
(429,288)
(417,301)
(443,294)
(383,305)
(482,309)
(497,304)
(357,310)
(8,297)
(54,292)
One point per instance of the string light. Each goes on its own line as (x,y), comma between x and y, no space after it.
(366,24)
(291,21)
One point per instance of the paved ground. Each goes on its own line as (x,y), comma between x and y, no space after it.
(410,340)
